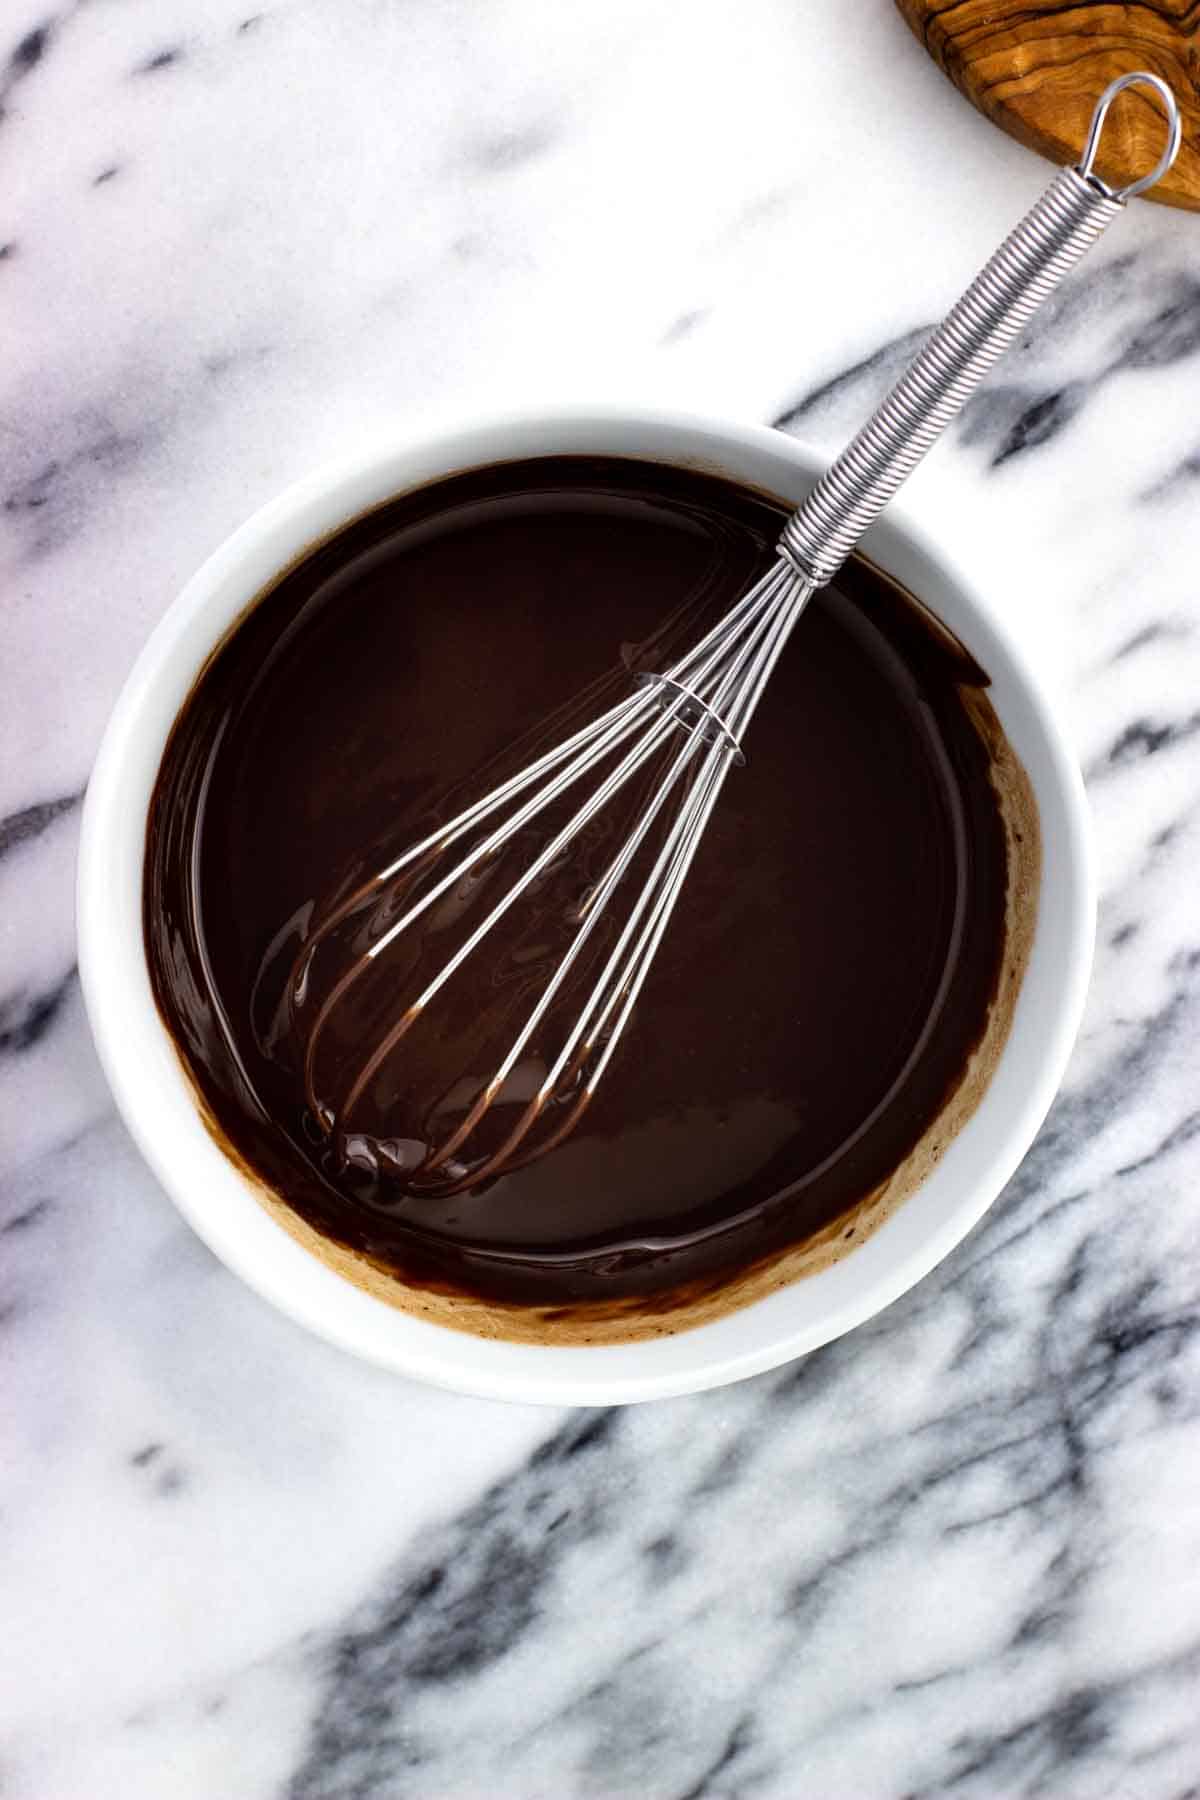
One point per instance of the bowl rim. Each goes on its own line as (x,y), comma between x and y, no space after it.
(154,1094)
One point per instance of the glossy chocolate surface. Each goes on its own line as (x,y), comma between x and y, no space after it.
(828,971)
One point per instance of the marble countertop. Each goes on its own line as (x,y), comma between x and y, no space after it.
(957,1553)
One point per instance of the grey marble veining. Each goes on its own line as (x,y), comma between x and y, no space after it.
(957,1553)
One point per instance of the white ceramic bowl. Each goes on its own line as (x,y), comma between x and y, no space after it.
(156,1100)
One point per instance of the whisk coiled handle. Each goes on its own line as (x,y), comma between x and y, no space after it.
(1025,270)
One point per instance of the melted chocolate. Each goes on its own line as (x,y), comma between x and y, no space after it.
(827,973)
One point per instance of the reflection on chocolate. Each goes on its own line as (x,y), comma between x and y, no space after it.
(833,966)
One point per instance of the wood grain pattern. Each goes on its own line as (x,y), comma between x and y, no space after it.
(1036,70)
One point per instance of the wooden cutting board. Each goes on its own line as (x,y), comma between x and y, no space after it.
(1037,69)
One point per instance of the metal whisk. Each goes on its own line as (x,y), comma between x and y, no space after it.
(691,719)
